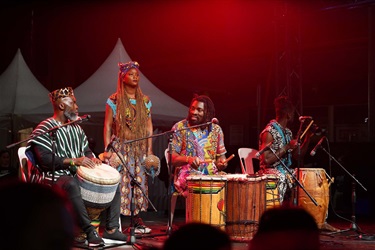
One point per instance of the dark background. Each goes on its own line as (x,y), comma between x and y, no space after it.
(241,53)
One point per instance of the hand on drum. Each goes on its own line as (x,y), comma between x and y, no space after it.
(106,156)
(194,162)
(87,162)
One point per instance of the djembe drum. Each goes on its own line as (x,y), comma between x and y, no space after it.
(316,184)
(98,188)
(246,196)
(205,202)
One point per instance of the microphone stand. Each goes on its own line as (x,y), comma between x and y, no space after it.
(294,177)
(52,131)
(170,181)
(299,156)
(353,225)
(133,183)
(295,201)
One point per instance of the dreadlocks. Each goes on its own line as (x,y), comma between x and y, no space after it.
(131,118)
(208,104)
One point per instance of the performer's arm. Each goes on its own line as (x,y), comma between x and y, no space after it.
(221,162)
(304,145)
(268,157)
(150,131)
(108,120)
(44,159)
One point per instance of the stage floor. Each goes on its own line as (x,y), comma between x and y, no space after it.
(362,238)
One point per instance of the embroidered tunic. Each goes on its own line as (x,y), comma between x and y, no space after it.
(207,144)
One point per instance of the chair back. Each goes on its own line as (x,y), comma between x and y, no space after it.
(166,155)
(246,158)
(23,170)
(28,170)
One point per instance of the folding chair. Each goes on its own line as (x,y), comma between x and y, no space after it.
(247,155)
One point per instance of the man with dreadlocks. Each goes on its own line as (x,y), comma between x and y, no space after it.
(128,117)
(199,149)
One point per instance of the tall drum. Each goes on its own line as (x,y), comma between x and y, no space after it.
(205,202)
(246,196)
(316,184)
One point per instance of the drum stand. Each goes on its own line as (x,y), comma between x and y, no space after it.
(353,225)
(294,177)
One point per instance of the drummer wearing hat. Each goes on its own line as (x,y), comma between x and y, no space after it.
(71,150)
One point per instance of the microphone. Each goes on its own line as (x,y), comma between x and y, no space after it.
(313,152)
(215,121)
(260,152)
(302,118)
(84,118)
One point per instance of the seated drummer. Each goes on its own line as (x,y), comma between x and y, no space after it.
(72,150)
(283,144)
(198,150)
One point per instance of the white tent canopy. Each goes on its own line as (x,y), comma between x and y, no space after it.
(20,91)
(93,93)
(24,100)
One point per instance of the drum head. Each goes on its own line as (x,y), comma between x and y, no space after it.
(101,174)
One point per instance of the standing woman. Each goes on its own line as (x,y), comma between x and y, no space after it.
(128,117)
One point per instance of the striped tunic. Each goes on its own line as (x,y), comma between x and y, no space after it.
(71,142)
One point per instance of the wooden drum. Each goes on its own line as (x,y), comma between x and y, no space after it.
(246,196)
(316,184)
(205,201)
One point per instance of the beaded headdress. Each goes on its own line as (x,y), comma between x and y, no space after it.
(125,67)
(61,93)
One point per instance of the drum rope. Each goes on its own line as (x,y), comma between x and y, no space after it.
(319,177)
(200,201)
(210,201)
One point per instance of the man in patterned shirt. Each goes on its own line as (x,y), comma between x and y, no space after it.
(71,150)
(197,149)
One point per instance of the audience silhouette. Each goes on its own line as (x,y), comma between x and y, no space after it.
(291,228)
(35,216)
(198,236)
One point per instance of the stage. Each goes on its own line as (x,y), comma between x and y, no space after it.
(362,238)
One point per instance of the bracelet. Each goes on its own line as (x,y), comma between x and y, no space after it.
(72,163)
(73,168)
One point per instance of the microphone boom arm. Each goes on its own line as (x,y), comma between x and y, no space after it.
(294,177)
